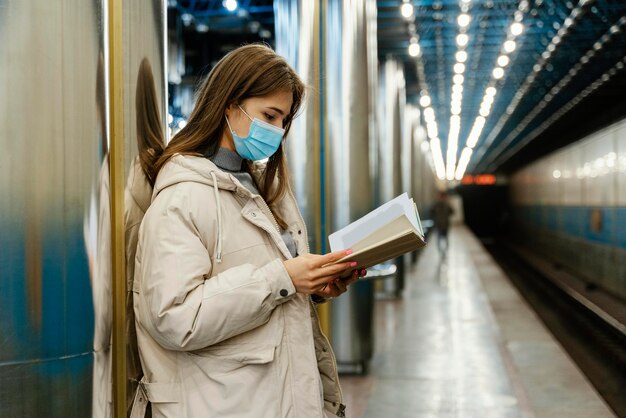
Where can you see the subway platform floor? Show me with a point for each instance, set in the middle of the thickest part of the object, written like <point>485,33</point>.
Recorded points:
<point>461,342</point>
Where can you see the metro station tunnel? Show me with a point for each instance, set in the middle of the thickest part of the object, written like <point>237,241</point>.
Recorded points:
<point>313,208</point>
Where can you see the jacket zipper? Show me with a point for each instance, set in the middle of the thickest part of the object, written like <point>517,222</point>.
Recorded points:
<point>271,215</point>
<point>306,233</point>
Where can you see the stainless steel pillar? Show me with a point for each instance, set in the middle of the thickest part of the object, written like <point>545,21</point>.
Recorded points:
<point>54,141</point>
<point>55,218</point>
<point>391,111</point>
<point>297,39</point>
<point>349,99</point>
<point>144,97</point>
<point>410,120</point>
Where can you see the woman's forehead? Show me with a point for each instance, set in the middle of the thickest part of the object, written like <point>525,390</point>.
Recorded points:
<point>281,99</point>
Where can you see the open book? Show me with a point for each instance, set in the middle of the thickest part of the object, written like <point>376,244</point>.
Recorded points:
<point>385,233</point>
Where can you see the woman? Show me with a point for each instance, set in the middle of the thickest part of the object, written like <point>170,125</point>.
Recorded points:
<point>223,283</point>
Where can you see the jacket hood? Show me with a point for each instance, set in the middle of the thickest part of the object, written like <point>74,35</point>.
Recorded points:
<point>182,168</point>
<point>188,168</point>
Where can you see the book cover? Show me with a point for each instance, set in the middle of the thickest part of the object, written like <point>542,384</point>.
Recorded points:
<point>385,233</point>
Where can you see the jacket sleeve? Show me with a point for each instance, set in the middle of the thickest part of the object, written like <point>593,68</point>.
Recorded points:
<point>179,306</point>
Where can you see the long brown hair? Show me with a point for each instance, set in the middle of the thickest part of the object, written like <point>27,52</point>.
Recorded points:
<point>150,137</point>
<point>249,71</point>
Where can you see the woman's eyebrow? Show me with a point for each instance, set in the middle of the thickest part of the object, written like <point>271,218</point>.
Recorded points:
<point>277,110</point>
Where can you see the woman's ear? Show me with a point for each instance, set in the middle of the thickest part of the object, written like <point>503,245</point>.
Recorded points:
<point>229,109</point>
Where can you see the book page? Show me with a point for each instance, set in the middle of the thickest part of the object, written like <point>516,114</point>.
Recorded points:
<point>397,227</point>
<point>373,221</point>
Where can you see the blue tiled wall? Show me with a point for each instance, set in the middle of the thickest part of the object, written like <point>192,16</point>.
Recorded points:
<point>576,222</point>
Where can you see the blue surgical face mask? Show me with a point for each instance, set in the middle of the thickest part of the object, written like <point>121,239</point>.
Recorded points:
<point>262,141</point>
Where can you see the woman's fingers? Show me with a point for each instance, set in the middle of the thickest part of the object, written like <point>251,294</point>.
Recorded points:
<point>329,258</point>
<point>336,269</point>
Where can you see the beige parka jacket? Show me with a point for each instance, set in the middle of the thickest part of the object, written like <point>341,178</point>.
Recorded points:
<point>220,328</point>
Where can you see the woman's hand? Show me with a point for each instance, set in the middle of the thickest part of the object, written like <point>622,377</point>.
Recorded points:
<point>312,273</point>
<point>339,285</point>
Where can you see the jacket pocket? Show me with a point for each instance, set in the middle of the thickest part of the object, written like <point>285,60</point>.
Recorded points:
<point>165,398</point>
<point>240,377</point>
<point>243,353</point>
<point>255,347</point>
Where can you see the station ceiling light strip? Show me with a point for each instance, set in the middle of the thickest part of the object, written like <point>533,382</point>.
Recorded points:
<point>435,156</point>
<point>576,14</point>
<point>548,97</point>
<point>618,67</point>
<point>456,97</point>
<point>509,45</point>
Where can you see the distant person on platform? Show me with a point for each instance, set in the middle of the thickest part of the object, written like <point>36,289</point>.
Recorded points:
<point>441,212</point>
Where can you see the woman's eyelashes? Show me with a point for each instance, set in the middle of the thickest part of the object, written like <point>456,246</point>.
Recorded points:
<point>269,116</point>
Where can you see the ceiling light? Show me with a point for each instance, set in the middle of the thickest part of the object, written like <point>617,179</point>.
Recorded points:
<point>503,60</point>
<point>459,68</point>
<point>463,161</point>
<point>509,46</point>
<point>523,5</point>
<point>516,28</point>
<point>498,72</point>
<point>462,39</point>
<point>484,112</point>
<point>457,88</point>
<point>414,49</point>
<point>461,56</point>
<point>458,79</point>
<point>187,19</point>
<point>490,91</point>
<point>431,129</point>
<point>406,10</point>
<point>463,20</point>
<point>425,101</point>
<point>202,27</point>
<point>429,114</point>
<point>230,5</point>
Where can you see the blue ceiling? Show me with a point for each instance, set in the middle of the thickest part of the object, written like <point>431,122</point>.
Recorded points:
<point>551,92</point>
<point>537,87</point>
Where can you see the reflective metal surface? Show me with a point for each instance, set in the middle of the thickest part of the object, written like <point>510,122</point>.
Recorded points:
<point>423,178</point>
<point>55,264</point>
<point>54,142</point>
<point>349,110</point>
<point>144,111</point>
<point>144,38</point>
<point>391,111</point>
<point>297,40</point>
